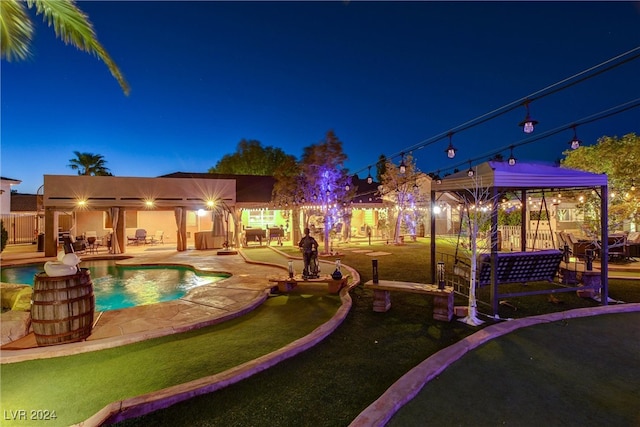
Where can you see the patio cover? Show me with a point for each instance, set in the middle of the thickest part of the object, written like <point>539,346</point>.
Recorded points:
<point>521,176</point>
<point>499,176</point>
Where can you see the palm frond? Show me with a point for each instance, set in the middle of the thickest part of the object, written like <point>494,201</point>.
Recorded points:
<point>16,30</point>
<point>73,27</point>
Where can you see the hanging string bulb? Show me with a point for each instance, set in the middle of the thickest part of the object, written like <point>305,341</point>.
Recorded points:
<point>575,142</point>
<point>512,160</point>
<point>470,172</point>
<point>437,178</point>
<point>451,150</point>
<point>369,177</point>
<point>528,124</point>
<point>403,167</point>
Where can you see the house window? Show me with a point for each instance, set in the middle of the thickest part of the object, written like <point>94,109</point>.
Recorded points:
<point>261,218</point>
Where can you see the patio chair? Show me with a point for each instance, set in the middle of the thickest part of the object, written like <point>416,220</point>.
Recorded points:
<point>140,237</point>
<point>72,245</point>
<point>92,244</point>
<point>618,247</point>
<point>157,238</point>
<point>579,247</point>
<point>633,244</point>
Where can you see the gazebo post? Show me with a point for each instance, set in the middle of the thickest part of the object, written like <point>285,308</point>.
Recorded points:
<point>604,251</point>
<point>523,221</point>
<point>494,250</point>
<point>433,237</point>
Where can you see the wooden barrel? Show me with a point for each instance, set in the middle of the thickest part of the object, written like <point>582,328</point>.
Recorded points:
<point>62,308</point>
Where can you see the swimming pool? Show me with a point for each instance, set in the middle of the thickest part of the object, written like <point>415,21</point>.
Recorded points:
<point>117,286</point>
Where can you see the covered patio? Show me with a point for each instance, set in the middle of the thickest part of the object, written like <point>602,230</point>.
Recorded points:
<point>116,195</point>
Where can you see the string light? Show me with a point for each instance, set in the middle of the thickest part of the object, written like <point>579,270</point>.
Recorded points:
<point>528,124</point>
<point>565,83</point>
<point>403,167</point>
<point>575,142</point>
<point>470,171</point>
<point>512,160</point>
<point>451,150</point>
<point>369,177</point>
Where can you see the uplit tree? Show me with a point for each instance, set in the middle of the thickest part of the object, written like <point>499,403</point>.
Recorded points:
<point>401,190</point>
<point>474,211</point>
<point>619,159</point>
<point>320,185</point>
<point>89,164</point>
<point>251,158</point>
<point>70,24</point>
<point>325,180</point>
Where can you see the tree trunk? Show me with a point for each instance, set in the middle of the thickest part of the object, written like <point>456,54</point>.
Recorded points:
<point>472,315</point>
<point>326,230</point>
<point>295,227</point>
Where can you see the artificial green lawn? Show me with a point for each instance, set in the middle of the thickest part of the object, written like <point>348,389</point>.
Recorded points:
<point>76,387</point>
<point>331,383</point>
<point>327,385</point>
<point>578,372</point>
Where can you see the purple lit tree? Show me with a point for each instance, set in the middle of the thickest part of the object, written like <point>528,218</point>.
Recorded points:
<point>401,189</point>
<point>325,184</point>
<point>318,185</point>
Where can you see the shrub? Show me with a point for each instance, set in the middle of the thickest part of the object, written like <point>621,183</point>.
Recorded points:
<point>4,236</point>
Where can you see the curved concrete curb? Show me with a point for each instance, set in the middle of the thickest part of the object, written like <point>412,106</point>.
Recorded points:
<point>410,384</point>
<point>147,403</point>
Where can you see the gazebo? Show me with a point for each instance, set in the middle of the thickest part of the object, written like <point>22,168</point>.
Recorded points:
<point>496,178</point>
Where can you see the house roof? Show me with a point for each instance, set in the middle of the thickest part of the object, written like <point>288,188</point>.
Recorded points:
<point>249,188</point>
<point>259,188</point>
<point>23,202</point>
<point>521,176</point>
<point>11,180</point>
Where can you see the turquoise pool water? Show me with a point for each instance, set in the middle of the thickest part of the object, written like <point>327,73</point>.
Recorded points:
<point>118,287</point>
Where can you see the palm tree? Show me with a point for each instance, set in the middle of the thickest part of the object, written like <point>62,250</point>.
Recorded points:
<point>89,163</point>
<point>69,22</point>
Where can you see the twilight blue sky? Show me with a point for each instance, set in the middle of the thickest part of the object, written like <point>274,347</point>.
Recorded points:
<point>385,76</point>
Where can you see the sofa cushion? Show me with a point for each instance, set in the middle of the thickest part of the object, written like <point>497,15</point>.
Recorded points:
<point>16,297</point>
